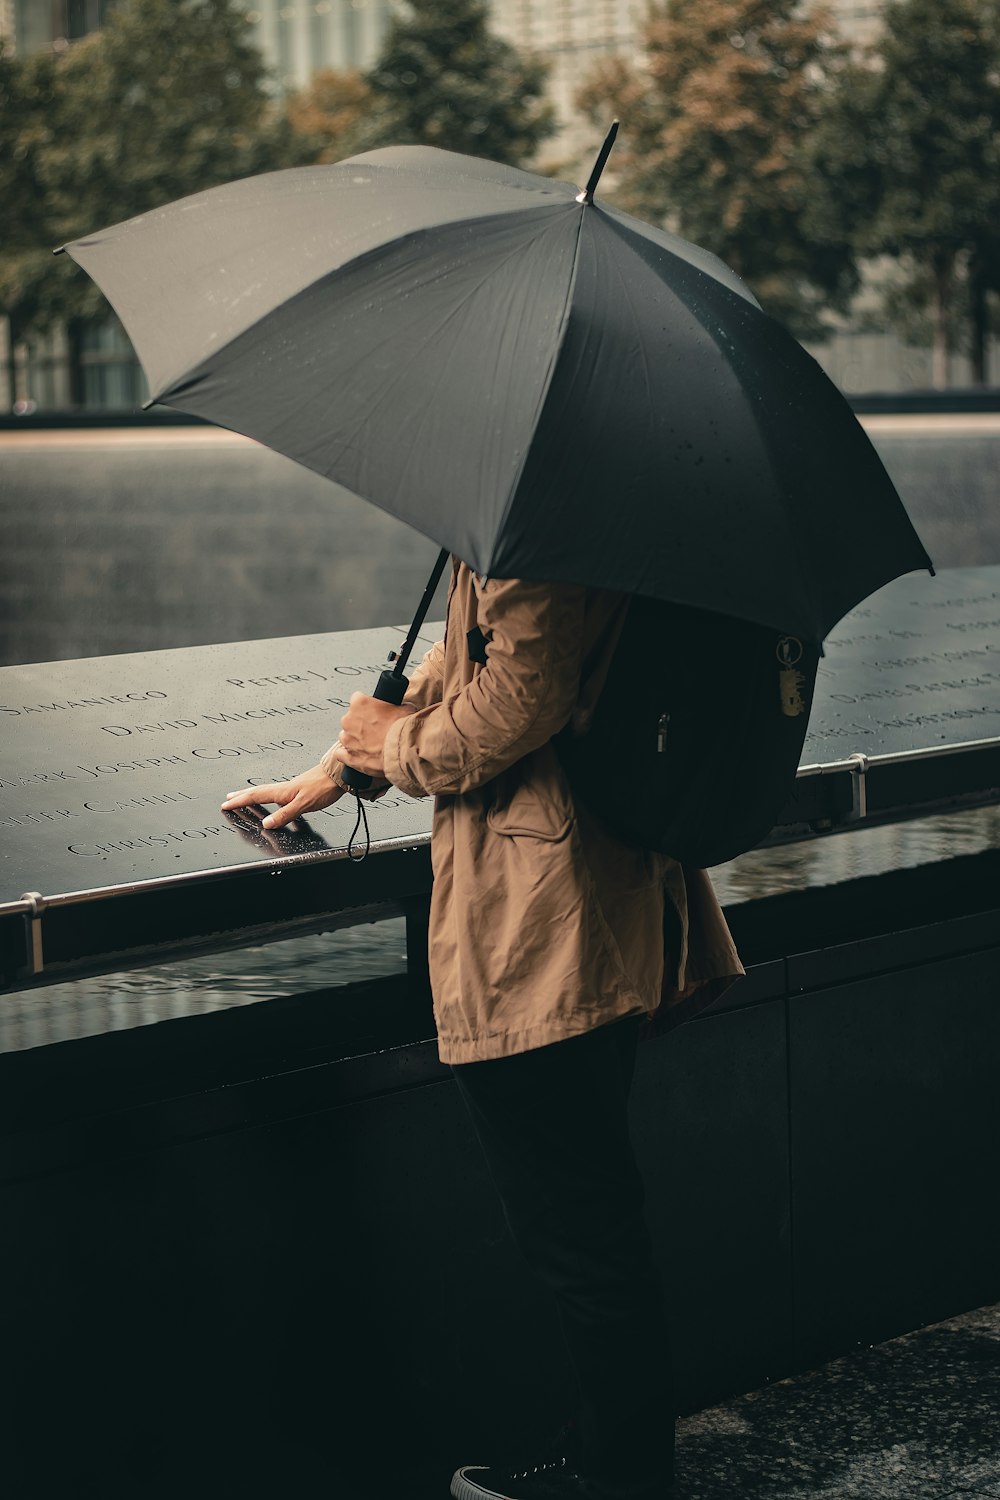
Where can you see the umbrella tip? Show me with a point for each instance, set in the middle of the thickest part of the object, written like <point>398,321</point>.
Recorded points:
<point>59,250</point>
<point>587,193</point>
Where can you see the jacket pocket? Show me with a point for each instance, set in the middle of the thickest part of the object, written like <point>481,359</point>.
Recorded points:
<point>532,800</point>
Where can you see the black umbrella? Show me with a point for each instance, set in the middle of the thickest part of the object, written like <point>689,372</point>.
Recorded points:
<point>548,388</point>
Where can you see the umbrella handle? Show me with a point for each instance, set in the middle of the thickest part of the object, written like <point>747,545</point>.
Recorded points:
<point>390,688</point>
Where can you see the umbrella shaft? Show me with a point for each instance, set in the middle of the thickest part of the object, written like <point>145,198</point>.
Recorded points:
<point>391,686</point>
<point>403,655</point>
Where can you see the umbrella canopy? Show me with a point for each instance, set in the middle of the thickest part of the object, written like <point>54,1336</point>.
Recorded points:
<point>545,386</point>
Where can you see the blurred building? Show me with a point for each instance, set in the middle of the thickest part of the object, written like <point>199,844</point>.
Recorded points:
<point>857,20</point>
<point>571,35</point>
<point>30,25</point>
<point>297,37</point>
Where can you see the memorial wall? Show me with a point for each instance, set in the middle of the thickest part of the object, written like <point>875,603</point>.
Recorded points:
<point>917,666</point>
<point>112,769</point>
<point>841,1100</point>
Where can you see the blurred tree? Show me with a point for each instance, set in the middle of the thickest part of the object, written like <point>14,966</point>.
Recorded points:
<point>984,300</point>
<point>22,109</point>
<point>714,125</point>
<point>333,112</point>
<point>25,100</point>
<point>168,98</point>
<point>915,135</point>
<point>444,79</point>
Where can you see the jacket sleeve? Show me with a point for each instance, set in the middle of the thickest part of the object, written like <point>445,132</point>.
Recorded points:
<point>427,681</point>
<point>522,696</point>
<point>424,689</point>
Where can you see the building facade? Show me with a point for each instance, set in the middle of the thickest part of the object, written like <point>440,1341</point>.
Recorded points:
<point>298,37</point>
<point>571,35</point>
<point>30,25</point>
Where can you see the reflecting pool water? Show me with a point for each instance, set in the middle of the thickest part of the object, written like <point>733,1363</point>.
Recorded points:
<point>112,1002</point>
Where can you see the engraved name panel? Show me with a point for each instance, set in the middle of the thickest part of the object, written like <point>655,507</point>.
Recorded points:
<point>916,667</point>
<point>112,769</point>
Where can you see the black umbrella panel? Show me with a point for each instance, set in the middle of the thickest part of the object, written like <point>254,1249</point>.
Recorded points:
<point>546,387</point>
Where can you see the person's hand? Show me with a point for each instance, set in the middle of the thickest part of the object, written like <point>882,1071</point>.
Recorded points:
<point>298,838</point>
<point>362,733</point>
<point>306,793</point>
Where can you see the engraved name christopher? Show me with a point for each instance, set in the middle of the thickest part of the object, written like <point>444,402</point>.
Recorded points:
<point>163,840</point>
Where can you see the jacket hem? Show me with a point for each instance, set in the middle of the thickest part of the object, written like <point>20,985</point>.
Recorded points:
<point>452,1049</point>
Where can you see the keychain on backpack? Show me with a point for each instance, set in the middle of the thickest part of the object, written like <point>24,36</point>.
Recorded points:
<point>790,682</point>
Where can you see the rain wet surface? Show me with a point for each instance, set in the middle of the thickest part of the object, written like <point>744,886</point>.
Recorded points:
<point>190,986</point>
<point>911,1419</point>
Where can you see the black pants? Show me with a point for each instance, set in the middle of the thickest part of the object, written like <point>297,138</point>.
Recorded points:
<point>553,1125</point>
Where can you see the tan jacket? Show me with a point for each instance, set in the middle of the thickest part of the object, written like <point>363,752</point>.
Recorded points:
<point>542,925</point>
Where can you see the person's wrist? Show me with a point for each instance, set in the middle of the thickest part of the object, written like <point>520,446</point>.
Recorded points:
<point>330,766</point>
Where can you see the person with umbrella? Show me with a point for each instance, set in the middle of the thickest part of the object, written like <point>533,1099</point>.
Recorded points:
<point>546,955</point>
<point>579,408</point>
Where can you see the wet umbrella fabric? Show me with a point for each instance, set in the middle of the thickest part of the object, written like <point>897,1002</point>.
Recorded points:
<point>546,387</point>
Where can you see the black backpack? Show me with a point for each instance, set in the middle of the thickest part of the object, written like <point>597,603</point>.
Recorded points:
<point>695,740</point>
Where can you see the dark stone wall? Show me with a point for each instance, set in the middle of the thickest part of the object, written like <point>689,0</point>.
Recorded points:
<point>256,1252</point>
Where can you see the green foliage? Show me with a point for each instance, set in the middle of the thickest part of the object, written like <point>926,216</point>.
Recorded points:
<point>169,98</point>
<point>443,79</point>
<point>936,145</point>
<point>26,101</point>
<point>913,140</point>
<point>332,113</point>
<point>714,132</point>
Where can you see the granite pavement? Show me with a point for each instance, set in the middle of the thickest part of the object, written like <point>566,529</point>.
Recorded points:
<point>916,1418</point>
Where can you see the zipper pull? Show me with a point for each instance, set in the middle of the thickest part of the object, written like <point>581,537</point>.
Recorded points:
<point>661,733</point>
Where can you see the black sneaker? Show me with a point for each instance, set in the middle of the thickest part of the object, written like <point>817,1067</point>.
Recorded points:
<point>546,1481</point>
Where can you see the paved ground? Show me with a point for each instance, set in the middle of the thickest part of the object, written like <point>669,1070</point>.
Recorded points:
<point>917,1418</point>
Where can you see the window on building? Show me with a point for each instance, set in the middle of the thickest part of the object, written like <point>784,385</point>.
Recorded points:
<point>83,16</point>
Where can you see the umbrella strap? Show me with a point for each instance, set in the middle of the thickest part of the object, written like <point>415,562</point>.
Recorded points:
<point>361,818</point>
